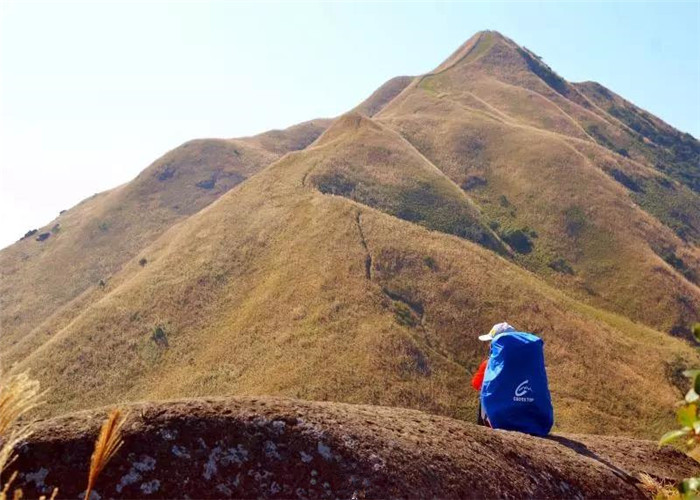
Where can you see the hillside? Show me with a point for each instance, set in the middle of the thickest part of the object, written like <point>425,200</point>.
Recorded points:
<point>538,157</point>
<point>87,244</point>
<point>372,294</point>
<point>360,267</point>
<point>280,448</point>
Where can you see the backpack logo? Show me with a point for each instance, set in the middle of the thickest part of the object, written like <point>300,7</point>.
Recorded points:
<point>520,392</point>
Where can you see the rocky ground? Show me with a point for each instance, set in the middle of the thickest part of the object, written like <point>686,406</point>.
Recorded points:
<point>271,447</point>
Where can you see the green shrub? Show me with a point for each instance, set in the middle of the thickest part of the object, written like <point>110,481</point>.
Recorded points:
<point>574,220</point>
<point>430,262</point>
<point>561,266</point>
<point>677,263</point>
<point>29,233</point>
<point>473,182</point>
<point>207,184</point>
<point>159,336</point>
<point>519,240</point>
<point>404,315</point>
<point>167,172</point>
<point>688,418</point>
<point>335,183</point>
<point>626,180</point>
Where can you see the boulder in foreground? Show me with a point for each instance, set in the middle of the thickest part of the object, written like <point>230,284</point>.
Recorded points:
<point>273,447</point>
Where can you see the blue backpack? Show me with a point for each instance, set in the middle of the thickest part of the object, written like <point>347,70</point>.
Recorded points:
<point>515,394</point>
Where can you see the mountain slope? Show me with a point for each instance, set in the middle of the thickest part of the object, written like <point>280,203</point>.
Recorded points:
<point>90,242</point>
<point>610,228</point>
<point>383,95</point>
<point>375,166</point>
<point>361,266</point>
<point>379,310</point>
<point>673,152</point>
<point>279,448</point>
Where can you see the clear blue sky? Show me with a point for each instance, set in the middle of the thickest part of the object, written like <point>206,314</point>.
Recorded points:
<point>91,93</point>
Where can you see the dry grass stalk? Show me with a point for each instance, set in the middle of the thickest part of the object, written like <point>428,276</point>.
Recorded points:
<point>6,487</point>
<point>53,496</point>
<point>656,489</point>
<point>108,443</point>
<point>18,395</point>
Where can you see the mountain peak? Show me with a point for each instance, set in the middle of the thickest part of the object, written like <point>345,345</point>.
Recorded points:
<point>478,44</point>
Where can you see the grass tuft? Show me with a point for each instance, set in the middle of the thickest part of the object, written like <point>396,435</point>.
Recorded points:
<point>18,395</point>
<point>656,489</point>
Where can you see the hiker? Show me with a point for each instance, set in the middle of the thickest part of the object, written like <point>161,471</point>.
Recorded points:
<point>478,378</point>
<point>514,392</point>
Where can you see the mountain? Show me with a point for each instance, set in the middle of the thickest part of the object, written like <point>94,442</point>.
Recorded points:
<point>614,228</point>
<point>357,260</point>
<point>281,448</point>
<point>88,243</point>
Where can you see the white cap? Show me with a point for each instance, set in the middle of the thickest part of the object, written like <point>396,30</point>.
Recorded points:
<point>497,328</point>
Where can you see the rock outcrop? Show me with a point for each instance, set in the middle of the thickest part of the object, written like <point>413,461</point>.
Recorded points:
<point>272,447</point>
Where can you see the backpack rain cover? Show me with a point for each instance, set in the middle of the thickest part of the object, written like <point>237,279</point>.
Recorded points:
<point>515,393</point>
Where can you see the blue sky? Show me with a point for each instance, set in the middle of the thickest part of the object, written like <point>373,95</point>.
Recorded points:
<point>91,93</point>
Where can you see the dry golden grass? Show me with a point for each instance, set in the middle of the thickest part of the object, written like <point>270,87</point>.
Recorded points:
<point>99,235</point>
<point>383,95</point>
<point>658,490</point>
<point>234,324</point>
<point>18,396</point>
<point>491,118</point>
<point>106,446</point>
<point>277,288</point>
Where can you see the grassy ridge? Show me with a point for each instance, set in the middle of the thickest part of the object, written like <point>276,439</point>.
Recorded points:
<point>347,269</point>
<point>94,239</point>
<point>520,143</point>
<point>375,167</point>
<point>401,333</point>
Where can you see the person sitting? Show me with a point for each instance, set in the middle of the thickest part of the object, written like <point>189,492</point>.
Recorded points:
<point>478,378</point>
<point>512,383</point>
